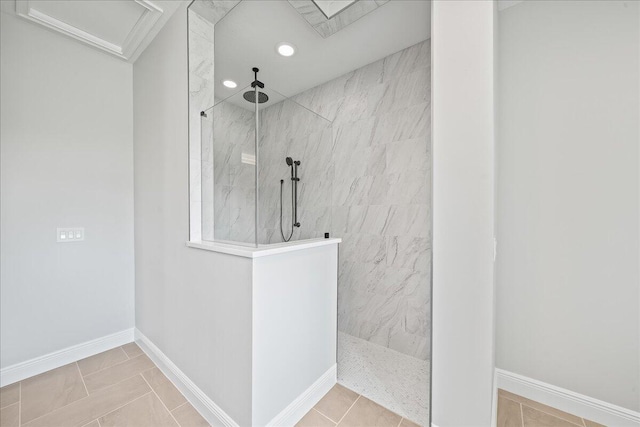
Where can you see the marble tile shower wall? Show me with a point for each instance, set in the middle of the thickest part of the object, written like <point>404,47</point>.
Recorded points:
<point>367,182</point>
<point>202,16</point>
<point>201,82</point>
<point>234,188</point>
<point>290,130</point>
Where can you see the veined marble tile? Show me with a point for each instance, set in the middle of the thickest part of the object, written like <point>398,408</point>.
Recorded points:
<point>346,17</point>
<point>409,252</point>
<point>406,91</point>
<point>411,155</point>
<point>358,162</point>
<point>352,191</point>
<point>397,319</point>
<point>200,93</point>
<point>314,222</point>
<point>417,345</point>
<point>201,56</point>
<point>242,215</point>
<point>354,135</point>
<point>408,188</point>
<point>408,220</point>
<point>200,25</point>
<point>328,26</point>
<point>309,11</point>
<point>407,61</point>
<point>357,106</point>
<point>213,11</point>
<point>403,124</point>
<point>361,248</point>
<point>316,193</point>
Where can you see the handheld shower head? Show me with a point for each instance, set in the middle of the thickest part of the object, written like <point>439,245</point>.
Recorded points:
<point>289,161</point>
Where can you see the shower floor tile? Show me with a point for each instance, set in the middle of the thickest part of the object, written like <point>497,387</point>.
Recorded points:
<point>394,380</point>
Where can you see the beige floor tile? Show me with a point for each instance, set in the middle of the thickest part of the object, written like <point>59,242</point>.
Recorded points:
<point>367,413</point>
<point>96,405</point>
<point>164,388</point>
<point>509,413</point>
<point>132,350</point>
<point>102,360</point>
<point>336,402</point>
<point>10,416</point>
<point>535,418</point>
<point>592,424</point>
<point>543,408</point>
<point>187,416</point>
<point>155,377</point>
<point>117,373</point>
<point>9,394</point>
<point>146,411</point>
<point>315,419</point>
<point>406,423</point>
<point>51,390</point>
<point>93,423</point>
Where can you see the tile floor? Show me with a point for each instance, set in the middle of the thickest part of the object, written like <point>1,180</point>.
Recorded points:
<point>120,387</point>
<point>394,380</point>
<point>517,411</point>
<point>345,408</point>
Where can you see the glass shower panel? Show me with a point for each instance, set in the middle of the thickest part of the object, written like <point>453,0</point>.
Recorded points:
<point>293,201</point>
<point>287,129</point>
<point>229,192</point>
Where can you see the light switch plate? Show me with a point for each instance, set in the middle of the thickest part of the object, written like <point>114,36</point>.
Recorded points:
<point>68,235</point>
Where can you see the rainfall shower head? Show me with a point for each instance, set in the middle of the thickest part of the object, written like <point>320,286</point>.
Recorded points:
<point>250,95</point>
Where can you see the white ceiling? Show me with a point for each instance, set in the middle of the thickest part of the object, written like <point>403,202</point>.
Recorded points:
<point>247,37</point>
<point>123,28</point>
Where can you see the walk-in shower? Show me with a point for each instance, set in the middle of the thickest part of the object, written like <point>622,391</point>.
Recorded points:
<point>331,141</point>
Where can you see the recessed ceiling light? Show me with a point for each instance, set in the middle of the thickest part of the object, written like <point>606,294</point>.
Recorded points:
<point>286,49</point>
<point>230,84</point>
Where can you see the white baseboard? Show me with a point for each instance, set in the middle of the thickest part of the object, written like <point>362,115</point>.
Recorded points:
<point>566,400</point>
<point>200,401</point>
<point>307,400</point>
<point>38,365</point>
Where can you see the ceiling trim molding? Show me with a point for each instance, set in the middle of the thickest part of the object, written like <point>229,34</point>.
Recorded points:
<point>140,35</point>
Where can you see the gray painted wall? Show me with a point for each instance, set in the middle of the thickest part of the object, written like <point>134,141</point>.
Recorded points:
<point>67,161</point>
<point>567,270</point>
<point>183,294</point>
